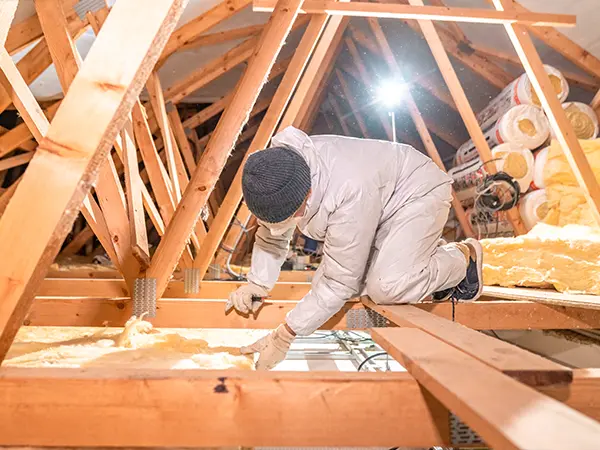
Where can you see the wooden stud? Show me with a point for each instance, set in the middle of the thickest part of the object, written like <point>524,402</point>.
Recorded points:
<point>78,241</point>
<point>182,139</point>
<point>218,149</point>
<point>95,218</point>
<point>22,97</point>
<point>32,228</point>
<point>267,127</point>
<point>397,11</point>
<point>7,14</point>
<point>224,36</point>
<point>513,361</point>
<point>192,30</point>
<point>415,114</point>
<point>501,410</point>
<point>135,206</point>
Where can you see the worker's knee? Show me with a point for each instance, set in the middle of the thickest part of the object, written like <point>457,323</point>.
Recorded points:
<point>387,293</point>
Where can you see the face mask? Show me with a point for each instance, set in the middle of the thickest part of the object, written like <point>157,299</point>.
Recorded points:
<point>280,228</point>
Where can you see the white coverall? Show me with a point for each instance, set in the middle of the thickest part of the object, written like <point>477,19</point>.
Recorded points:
<point>379,207</point>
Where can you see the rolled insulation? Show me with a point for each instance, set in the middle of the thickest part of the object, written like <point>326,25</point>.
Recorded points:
<point>540,157</point>
<point>583,120</point>
<point>517,161</point>
<point>525,125</point>
<point>533,208</point>
<point>521,92</point>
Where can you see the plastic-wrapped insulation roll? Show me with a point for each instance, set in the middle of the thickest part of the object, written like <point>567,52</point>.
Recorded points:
<point>540,157</point>
<point>517,161</point>
<point>526,125</point>
<point>521,92</point>
<point>533,208</point>
<point>583,120</point>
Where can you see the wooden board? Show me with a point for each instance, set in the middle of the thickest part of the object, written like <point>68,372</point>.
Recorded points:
<point>504,412</point>
<point>519,364</point>
<point>548,296</point>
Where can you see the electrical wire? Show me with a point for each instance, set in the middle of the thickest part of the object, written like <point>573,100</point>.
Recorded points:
<point>369,358</point>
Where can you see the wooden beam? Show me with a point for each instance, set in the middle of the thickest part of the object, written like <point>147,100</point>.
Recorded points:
<point>217,151</point>
<point>181,138</point>
<point>339,115</point>
<point>7,14</point>
<point>501,410</point>
<point>65,165</point>
<point>193,29</point>
<point>25,102</point>
<point>417,118</point>
<point>463,105</point>
<point>15,161</point>
<point>78,241</point>
<point>135,206</point>
<point>547,296</point>
<point>95,218</point>
<point>224,36</point>
<point>558,119</point>
<point>352,103</point>
<point>511,360</point>
<point>268,126</point>
<point>396,11</point>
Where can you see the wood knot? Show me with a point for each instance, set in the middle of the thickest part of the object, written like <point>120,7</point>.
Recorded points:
<point>221,388</point>
<point>202,188</point>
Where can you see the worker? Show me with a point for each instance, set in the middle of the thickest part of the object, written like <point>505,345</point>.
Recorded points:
<point>379,207</point>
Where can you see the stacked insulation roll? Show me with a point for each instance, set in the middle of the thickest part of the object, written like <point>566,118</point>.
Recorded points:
<point>523,125</point>
<point>540,158</point>
<point>583,120</point>
<point>533,208</point>
<point>521,92</point>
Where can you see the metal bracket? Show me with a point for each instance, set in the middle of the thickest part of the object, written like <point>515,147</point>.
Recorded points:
<point>82,7</point>
<point>144,297</point>
<point>365,318</point>
<point>461,434</point>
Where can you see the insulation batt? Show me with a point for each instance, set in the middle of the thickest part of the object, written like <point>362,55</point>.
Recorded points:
<point>566,258</point>
<point>138,345</point>
<point>566,202</point>
<point>583,120</point>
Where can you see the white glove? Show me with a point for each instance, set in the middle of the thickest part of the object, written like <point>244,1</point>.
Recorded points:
<point>271,349</point>
<point>241,298</point>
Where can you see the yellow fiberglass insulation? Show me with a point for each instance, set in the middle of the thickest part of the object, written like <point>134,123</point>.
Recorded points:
<point>566,202</point>
<point>138,345</point>
<point>566,258</point>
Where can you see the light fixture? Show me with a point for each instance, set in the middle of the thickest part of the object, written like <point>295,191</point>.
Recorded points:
<point>391,93</point>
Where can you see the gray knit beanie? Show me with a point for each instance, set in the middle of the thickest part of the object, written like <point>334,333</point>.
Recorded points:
<point>275,183</point>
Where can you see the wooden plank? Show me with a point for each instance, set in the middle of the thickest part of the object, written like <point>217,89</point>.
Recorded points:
<point>513,361</point>
<point>558,120</point>
<point>549,297</point>
<point>192,30</point>
<point>15,161</point>
<point>25,102</point>
<point>397,11</point>
<point>194,408</point>
<point>339,115</point>
<point>32,228</point>
<point>267,127</point>
<point>93,215</point>
<point>7,14</point>
<point>501,410</point>
<point>354,108</point>
<point>220,144</point>
<point>78,241</point>
<point>8,194</point>
<point>158,106</point>
<point>135,206</point>
<point>224,36</point>
<point>182,139</point>
<point>463,105</point>
<point>417,118</point>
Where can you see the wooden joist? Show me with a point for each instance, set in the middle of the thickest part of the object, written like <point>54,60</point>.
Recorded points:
<point>396,11</point>
<point>501,410</point>
<point>67,161</point>
<point>217,151</point>
<point>224,36</point>
<point>517,363</point>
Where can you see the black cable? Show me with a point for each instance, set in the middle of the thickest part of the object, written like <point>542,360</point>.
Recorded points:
<point>369,358</point>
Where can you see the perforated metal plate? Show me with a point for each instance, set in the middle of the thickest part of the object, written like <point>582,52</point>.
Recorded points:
<point>191,280</point>
<point>144,297</point>
<point>461,434</point>
<point>365,318</point>
<point>82,7</point>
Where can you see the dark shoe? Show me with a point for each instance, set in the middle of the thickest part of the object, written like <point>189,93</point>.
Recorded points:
<point>442,296</point>
<point>471,287</point>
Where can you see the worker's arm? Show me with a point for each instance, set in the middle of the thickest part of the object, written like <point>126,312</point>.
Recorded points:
<point>348,241</point>
<point>268,255</point>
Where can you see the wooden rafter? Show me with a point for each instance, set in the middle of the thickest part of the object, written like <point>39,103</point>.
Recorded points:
<point>440,13</point>
<point>224,36</point>
<point>218,149</point>
<point>78,140</point>
<point>354,108</point>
